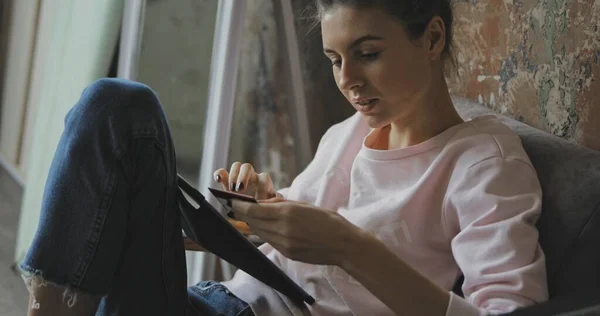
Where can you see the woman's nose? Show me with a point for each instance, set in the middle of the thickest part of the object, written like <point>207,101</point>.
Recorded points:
<point>350,77</point>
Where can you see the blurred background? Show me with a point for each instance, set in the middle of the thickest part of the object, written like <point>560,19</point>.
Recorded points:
<point>247,80</point>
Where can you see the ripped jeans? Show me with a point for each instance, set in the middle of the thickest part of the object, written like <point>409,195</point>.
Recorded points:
<point>110,225</point>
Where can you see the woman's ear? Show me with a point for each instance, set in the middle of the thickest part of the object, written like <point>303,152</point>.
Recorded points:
<point>435,35</point>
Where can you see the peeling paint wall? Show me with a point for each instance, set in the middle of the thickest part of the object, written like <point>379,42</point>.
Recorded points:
<point>262,123</point>
<point>535,60</point>
<point>326,105</point>
<point>262,130</point>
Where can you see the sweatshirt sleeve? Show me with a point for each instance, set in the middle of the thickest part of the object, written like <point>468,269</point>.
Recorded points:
<point>284,192</point>
<point>491,212</point>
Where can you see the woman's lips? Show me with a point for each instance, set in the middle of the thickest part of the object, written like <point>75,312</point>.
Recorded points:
<point>366,106</point>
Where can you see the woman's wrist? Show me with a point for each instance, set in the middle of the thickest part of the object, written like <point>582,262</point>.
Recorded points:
<point>359,244</point>
<point>394,282</point>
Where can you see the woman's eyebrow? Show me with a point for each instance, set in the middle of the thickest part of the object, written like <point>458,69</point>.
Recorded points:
<point>357,42</point>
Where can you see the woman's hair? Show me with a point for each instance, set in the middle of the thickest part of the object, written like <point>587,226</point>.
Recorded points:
<point>413,14</point>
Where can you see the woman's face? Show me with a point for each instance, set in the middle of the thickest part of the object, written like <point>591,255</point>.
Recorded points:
<point>376,66</point>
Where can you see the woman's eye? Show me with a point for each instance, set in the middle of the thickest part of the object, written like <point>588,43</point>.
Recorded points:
<point>336,63</point>
<point>369,56</point>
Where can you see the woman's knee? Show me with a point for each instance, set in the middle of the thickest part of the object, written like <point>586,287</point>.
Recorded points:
<point>108,90</point>
<point>111,99</point>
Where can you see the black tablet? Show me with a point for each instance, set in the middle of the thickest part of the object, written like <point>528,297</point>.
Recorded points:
<point>225,197</point>
<point>208,228</point>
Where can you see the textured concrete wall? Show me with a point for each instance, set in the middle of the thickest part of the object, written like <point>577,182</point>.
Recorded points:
<point>536,60</point>
<point>175,61</point>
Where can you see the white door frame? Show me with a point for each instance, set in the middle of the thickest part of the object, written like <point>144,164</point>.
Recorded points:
<point>219,115</point>
<point>284,15</point>
<point>22,29</point>
<point>131,38</point>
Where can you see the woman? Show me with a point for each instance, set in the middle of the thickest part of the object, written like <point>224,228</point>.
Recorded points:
<point>399,200</point>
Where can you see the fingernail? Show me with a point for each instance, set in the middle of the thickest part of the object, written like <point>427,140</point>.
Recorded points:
<point>232,186</point>
<point>218,178</point>
<point>240,186</point>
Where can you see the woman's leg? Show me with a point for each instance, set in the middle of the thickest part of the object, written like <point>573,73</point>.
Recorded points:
<point>213,298</point>
<point>109,235</point>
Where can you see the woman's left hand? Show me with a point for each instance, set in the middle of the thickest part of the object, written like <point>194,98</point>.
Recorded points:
<point>299,231</point>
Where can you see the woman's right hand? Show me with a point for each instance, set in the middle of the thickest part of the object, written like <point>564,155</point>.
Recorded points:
<point>242,178</point>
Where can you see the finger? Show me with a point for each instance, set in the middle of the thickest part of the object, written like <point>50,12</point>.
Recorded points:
<point>276,240</point>
<point>265,186</point>
<point>259,225</point>
<point>287,245</point>
<point>222,177</point>
<point>233,174</point>
<point>242,227</point>
<point>275,199</point>
<point>245,176</point>
<point>250,211</point>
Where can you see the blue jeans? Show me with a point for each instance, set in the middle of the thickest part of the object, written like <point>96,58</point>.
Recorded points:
<point>110,222</point>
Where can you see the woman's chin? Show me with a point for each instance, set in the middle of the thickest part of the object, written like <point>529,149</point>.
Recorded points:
<point>376,121</point>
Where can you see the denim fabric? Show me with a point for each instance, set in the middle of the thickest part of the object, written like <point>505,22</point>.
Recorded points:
<point>213,298</point>
<point>109,222</point>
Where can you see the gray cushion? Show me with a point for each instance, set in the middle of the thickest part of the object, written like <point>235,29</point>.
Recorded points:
<point>570,222</point>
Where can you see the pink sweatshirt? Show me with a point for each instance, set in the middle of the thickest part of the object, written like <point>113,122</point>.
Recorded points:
<point>463,202</point>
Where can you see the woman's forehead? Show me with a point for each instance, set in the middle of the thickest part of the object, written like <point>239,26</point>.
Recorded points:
<point>343,24</point>
<point>342,16</point>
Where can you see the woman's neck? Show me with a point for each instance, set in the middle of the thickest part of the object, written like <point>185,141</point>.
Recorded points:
<point>436,114</point>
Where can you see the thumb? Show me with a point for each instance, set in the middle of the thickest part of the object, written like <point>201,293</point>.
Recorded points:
<point>275,199</point>
<point>264,187</point>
